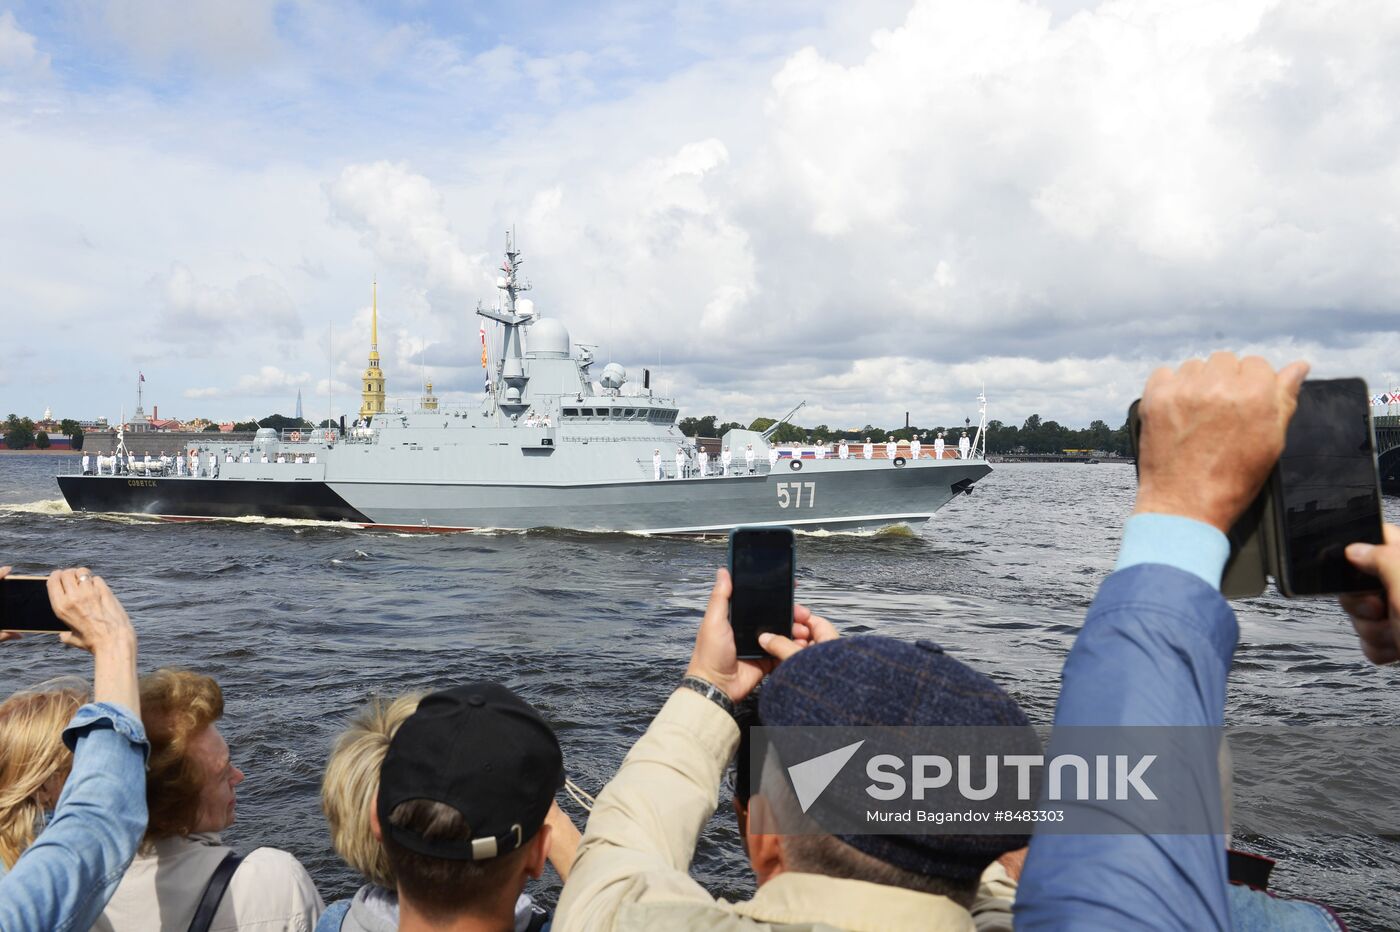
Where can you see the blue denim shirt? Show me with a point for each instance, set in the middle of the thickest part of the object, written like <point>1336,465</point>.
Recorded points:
<point>1155,649</point>
<point>62,882</point>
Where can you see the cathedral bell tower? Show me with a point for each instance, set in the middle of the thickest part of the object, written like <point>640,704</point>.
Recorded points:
<point>372,388</point>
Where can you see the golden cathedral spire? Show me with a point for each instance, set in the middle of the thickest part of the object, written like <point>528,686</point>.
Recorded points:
<point>372,383</point>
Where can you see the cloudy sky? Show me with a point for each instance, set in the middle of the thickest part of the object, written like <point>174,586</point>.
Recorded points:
<point>875,207</point>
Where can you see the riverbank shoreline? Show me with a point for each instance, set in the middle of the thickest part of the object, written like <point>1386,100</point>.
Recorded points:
<point>49,452</point>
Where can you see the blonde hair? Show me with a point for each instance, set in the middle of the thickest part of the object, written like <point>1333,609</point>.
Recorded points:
<point>176,705</point>
<point>352,783</point>
<point>31,753</point>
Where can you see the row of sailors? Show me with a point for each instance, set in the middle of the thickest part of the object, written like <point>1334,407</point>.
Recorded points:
<point>192,465</point>
<point>843,451</point>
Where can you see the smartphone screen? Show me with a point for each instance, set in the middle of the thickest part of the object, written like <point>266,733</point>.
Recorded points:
<point>761,564</point>
<point>24,605</point>
<point>1327,489</point>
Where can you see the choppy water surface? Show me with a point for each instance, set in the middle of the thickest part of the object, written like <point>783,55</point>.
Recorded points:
<point>301,622</point>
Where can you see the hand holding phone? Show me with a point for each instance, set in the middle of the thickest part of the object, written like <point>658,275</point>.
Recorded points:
<point>1376,615</point>
<point>1323,493</point>
<point>714,659</point>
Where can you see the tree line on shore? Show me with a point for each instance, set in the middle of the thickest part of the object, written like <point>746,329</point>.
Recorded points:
<point>22,434</point>
<point>1033,436</point>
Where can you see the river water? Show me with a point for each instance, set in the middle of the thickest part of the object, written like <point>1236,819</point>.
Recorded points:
<point>301,622</point>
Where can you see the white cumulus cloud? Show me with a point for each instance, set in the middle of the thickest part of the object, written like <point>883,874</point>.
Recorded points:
<point>19,51</point>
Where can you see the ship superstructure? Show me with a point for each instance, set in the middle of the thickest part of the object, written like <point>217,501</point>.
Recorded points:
<point>549,445</point>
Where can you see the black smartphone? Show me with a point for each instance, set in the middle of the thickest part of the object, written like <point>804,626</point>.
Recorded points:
<point>24,605</point>
<point>762,564</point>
<point>1327,490</point>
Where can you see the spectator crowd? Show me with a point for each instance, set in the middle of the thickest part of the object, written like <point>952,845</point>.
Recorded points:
<point>113,794</point>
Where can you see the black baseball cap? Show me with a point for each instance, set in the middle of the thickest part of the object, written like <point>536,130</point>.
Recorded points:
<point>485,752</point>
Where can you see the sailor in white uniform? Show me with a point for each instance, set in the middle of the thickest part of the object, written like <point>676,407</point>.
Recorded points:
<point>891,448</point>
<point>772,458</point>
<point>180,466</point>
<point>87,464</point>
<point>914,447</point>
<point>656,463</point>
<point>748,457</point>
<point>148,463</point>
<point>704,463</point>
<point>264,456</point>
<point>964,446</point>
<point>868,450</point>
<point>680,463</point>
<point>938,447</point>
<point>726,456</point>
<point>313,458</point>
<point>844,450</point>
<point>821,451</point>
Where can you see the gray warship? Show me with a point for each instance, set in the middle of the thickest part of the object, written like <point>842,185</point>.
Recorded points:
<point>548,447</point>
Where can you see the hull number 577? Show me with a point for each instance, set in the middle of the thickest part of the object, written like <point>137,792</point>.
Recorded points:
<point>790,494</point>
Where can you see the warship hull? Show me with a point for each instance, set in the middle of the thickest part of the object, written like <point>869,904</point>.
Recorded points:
<point>840,497</point>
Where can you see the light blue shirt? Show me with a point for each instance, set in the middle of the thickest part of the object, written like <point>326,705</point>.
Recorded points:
<point>1155,649</point>
<point>63,881</point>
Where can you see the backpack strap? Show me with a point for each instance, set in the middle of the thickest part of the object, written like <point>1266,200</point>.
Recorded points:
<point>214,893</point>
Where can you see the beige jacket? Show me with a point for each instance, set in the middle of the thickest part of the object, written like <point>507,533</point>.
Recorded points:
<point>270,892</point>
<point>632,867</point>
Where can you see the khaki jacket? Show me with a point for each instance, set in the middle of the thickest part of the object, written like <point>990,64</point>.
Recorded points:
<point>632,868</point>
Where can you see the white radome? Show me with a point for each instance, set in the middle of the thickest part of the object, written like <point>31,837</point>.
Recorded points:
<point>546,336</point>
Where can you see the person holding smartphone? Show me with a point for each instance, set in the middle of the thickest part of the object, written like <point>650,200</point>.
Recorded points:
<point>1159,639</point>
<point>64,879</point>
<point>632,869</point>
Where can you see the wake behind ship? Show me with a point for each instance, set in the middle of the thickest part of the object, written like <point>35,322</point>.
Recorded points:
<point>548,447</point>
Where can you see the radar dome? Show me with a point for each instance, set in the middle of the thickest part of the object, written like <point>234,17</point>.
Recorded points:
<point>547,337</point>
<point>614,375</point>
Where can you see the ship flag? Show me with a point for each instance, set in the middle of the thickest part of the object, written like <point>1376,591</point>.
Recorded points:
<point>482,330</point>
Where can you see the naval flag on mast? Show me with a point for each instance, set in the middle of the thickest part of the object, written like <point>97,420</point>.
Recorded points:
<point>482,330</point>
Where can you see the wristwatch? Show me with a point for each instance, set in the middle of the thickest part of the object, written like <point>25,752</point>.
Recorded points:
<point>710,691</point>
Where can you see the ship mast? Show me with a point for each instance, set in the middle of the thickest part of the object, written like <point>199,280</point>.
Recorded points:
<point>980,439</point>
<point>509,382</point>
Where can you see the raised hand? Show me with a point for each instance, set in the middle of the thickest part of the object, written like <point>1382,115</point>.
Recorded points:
<point>1211,431</point>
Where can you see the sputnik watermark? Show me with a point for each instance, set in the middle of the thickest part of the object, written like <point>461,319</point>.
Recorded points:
<point>1113,777</point>
<point>999,779</point>
<point>934,772</point>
